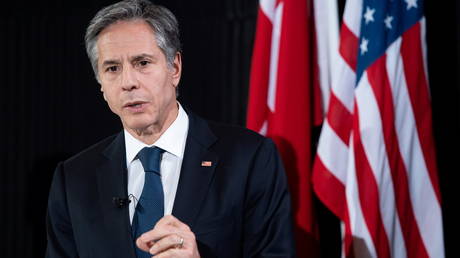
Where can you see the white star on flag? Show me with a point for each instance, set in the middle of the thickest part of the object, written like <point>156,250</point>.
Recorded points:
<point>411,3</point>
<point>388,21</point>
<point>363,46</point>
<point>369,15</point>
<point>375,165</point>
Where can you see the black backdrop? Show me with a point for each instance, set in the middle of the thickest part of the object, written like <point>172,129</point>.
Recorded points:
<point>51,108</point>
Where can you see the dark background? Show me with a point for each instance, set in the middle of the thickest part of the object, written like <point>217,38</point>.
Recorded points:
<point>51,107</point>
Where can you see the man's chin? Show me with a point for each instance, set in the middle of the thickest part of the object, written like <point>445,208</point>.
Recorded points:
<point>137,126</point>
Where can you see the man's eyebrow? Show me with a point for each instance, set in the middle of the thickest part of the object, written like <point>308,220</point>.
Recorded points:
<point>141,56</point>
<point>135,58</point>
<point>110,62</point>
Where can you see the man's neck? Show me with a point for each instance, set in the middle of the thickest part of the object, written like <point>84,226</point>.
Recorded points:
<point>152,133</point>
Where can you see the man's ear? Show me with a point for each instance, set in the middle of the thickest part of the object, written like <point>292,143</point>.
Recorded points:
<point>177,69</point>
<point>103,94</point>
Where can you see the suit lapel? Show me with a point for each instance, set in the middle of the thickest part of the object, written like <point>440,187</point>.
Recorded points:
<point>191,192</point>
<point>197,171</point>
<point>112,182</point>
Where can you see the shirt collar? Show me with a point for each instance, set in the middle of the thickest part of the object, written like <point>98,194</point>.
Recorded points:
<point>172,140</point>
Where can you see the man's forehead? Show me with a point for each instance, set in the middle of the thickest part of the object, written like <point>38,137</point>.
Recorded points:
<point>127,40</point>
<point>125,36</point>
<point>129,26</point>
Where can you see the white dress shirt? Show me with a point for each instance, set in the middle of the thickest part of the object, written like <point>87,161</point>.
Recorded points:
<point>173,142</point>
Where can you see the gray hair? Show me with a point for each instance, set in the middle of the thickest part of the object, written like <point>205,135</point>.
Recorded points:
<point>162,21</point>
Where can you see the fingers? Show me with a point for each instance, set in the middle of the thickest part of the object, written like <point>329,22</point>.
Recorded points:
<point>149,238</point>
<point>165,226</point>
<point>143,245</point>
<point>168,242</point>
<point>172,253</point>
<point>169,236</point>
<point>173,221</point>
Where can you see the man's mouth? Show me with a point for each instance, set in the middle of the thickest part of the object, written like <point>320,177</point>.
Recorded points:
<point>135,105</point>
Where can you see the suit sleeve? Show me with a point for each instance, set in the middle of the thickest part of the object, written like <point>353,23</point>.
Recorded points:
<point>59,231</point>
<point>268,225</point>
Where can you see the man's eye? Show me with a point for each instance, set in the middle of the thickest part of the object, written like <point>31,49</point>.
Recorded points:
<point>144,63</point>
<point>112,69</point>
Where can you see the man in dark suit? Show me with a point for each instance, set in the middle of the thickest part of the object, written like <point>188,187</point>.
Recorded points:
<point>171,184</point>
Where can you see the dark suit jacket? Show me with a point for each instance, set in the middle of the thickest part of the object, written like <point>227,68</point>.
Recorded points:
<point>238,207</point>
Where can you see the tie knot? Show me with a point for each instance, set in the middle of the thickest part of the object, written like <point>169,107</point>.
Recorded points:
<point>150,158</point>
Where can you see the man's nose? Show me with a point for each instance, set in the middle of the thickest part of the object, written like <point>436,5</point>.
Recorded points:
<point>128,79</point>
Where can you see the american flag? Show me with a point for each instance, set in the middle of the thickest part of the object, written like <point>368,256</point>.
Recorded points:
<point>375,166</point>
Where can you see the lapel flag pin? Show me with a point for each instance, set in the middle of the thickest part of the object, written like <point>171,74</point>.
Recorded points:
<point>206,163</point>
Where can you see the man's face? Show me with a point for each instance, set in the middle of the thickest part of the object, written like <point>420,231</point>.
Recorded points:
<point>137,82</point>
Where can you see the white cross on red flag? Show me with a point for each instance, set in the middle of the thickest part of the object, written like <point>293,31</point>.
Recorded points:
<point>282,86</point>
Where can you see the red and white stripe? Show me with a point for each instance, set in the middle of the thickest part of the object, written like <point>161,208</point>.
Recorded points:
<point>327,38</point>
<point>375,166</point>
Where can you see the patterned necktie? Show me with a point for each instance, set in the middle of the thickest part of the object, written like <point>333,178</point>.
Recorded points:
<point>150,207</point>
